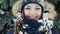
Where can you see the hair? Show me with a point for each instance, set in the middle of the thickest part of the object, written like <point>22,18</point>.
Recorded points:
<point>18,26</point>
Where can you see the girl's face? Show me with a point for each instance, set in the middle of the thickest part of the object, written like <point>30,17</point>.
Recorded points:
<point>32,11</point>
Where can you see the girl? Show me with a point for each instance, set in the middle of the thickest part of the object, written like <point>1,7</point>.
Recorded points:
<point>31,19</point>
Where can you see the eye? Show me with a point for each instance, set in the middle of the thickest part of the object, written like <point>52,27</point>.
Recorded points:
<point>37,8</point>
<point>28,8</point>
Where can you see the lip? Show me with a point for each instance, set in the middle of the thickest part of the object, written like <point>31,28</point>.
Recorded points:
<point>32,18</point>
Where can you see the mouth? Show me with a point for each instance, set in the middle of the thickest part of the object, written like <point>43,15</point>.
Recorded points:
<point>32,17</point>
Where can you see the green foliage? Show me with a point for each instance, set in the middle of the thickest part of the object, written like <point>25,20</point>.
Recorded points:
<point>6,18</point>
<point>12,2</point>
<point>53,1</point>
<point>5,4</point>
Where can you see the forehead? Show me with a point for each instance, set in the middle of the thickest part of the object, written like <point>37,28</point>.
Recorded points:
<point>32,5</point>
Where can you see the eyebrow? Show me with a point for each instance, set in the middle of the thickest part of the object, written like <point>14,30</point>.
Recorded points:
<point>37,6</point>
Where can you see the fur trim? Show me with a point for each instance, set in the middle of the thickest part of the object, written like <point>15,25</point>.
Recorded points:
<point>51,8</point>
<point>16,8</point>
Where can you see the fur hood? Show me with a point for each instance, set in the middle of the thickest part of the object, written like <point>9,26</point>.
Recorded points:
<point>48,7</point>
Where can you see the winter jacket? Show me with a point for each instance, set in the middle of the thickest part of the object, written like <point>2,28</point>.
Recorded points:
<point>32,27</point>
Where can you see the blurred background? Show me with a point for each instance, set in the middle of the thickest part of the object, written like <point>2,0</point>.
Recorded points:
<point>6,15</point>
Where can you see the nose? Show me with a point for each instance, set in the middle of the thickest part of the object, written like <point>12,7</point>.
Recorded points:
<point>32,12</point>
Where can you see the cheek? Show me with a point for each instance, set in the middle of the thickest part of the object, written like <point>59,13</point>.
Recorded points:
<point>39,13</point>
<point>26,13</point>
